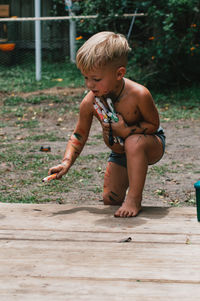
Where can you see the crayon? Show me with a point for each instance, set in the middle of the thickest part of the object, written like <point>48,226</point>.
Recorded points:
<point>49,178</point>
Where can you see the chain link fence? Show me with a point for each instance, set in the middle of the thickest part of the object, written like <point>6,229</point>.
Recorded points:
<point>17,42</point>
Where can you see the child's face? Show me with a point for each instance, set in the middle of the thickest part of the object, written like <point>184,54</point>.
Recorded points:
<point>102,81</point>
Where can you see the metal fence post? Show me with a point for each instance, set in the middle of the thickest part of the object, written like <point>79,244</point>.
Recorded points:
<point>38,40</point>
<point>72,31</point>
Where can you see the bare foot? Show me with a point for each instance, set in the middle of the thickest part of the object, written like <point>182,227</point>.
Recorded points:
<point>128,209</point>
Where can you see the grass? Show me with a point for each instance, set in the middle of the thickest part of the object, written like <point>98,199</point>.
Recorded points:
<point>178,103</point>
<point>48,136</point>
<point>21,78</point>
<point>21,160</point>
<point>25,166</point>
<point>159,170</point>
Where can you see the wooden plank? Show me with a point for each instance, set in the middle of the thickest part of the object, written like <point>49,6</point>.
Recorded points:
<point>68,252</point>
<point>96,236</point>
<point>98,218</point>
<point>174,263</point>
<point>47,289</point>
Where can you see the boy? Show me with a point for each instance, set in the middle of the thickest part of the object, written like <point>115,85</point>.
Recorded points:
<point>132,134</point>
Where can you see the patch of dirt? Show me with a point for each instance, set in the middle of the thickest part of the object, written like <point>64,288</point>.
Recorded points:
<point>54,91</point>
<point>169,182</point>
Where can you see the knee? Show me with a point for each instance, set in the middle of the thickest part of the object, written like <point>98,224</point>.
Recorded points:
<point>134,144</point>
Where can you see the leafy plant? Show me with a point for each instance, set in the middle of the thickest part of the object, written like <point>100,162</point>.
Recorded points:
<point>165,42</point>
<point>169,50</point>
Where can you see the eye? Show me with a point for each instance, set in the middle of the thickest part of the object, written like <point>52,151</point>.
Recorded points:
<point>97,79</point>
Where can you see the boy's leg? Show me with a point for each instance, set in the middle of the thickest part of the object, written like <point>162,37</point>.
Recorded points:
<point>141,150</point>
<point>115,184</point>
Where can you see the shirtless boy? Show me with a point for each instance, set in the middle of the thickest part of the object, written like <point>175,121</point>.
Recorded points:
<point>102,61</point>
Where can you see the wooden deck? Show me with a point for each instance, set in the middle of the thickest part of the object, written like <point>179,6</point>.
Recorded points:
<point>67,252</point>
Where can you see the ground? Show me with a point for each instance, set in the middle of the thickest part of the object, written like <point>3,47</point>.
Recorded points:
<point>49,121</point>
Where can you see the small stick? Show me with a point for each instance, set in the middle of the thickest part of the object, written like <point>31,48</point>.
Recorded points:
<point>49,178</point>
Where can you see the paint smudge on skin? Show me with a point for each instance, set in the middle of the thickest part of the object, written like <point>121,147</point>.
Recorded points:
<point>115,194</point>
<point>144,131</point>
<point>76,149</point>
<point>66,159</point>
<point>75,142</point>
<point>132,132</point>
<point>112,199</point>
<point>107,172</point>
<point>77,136</point>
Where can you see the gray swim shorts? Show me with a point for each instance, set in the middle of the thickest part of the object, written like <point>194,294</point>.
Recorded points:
<point>120,159</point>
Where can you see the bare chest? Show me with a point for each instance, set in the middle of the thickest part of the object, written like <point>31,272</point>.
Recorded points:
<point>129,111</point>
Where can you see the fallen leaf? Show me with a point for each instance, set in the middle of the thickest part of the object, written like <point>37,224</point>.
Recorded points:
<point>187,241</point>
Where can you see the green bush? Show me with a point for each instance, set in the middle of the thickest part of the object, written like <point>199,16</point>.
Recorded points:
<point>170,49</point>
<point>165,42</point>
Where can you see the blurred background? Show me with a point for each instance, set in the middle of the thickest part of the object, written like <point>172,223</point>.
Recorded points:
<point>164,36</point>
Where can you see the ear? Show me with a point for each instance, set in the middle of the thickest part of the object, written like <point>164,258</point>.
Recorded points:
<point>121,71</point>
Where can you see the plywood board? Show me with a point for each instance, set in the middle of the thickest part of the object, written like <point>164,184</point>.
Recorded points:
<point>68,252</point>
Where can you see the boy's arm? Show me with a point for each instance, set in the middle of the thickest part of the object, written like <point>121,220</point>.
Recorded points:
<point>77,139</point>
<point>150,118</point>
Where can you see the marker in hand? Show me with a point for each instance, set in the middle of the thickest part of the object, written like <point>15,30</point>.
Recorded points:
<point>49,178</point>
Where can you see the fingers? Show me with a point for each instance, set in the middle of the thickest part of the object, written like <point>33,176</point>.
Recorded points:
<point>59,170</point>
<point>119,117</point>
<point>105,125</point>
<point>54,169</point>
<point>61,173</point>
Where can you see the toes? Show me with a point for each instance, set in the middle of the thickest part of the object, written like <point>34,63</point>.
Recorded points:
<point>125,213</point>
<point>122,213</point>
<point>117,213</point>
<point>130,214</point>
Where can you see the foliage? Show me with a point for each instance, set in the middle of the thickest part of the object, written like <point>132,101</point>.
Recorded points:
<point>170,49</point>
<point>165,42</point>
<point>109,16</point>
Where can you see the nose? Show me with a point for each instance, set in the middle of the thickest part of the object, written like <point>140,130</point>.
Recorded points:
<point>90,84</point>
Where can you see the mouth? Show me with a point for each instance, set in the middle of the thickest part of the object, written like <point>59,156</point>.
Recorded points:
<point>95,92</point>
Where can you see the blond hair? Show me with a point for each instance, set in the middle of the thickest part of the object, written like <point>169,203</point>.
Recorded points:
<point>103,48</point>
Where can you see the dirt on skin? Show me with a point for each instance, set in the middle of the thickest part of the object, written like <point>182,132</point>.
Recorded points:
<point>170,182</point>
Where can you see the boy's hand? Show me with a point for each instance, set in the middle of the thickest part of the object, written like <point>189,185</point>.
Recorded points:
<point>106,127</point>
<point>119,126</point>
<point>60,170</point>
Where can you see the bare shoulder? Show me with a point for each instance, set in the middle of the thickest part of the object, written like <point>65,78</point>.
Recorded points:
<point>138,91</point>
